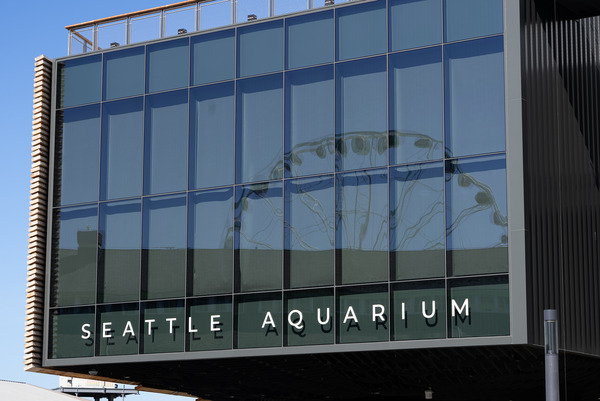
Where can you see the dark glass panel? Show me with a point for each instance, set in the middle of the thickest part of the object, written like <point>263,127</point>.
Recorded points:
<point>363,314</point>
<point>167,65</point>
<point>119,257</point>
<point>474,97</point>
<point>71,333</point>
<point>419,310</point>
<point>479,307</point>
<point>476,216</point>
<point>123,73</point>
<point>122,149</point>
<point>163,327</point>
<point>118,329</point>
<point>361,30</point>
<point>79,81</point>
<point>260,48</point>
<point>310,39</point>
<point>212,118</point>
<point>76,155</point>
<point>213,57</point>
<point>163,247</point>
<point>309,232</point>
<point>209,325</point>
<point>309,126</point>
<point>258,321</point>
<point>309,317</point>
<point>258,236</point>
<point>464,19</point>
<point>210,241</point>
<point>416,106</point>
<point>74,262</point>
<point>166,142</point>
<point>362,227</point>
<point>417,221</point>
<point>259,140</point>
<point>414,23</point>
<point>361,114</point>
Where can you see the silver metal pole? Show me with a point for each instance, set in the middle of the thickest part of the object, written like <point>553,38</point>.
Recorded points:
<point>551,349</point>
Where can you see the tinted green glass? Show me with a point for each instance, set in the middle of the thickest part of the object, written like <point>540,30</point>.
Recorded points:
<point>79,81</point>
<point>259,230</point>
<point>260,48</point>
<point>476,216</point>
<point>309,317</point>
<point>74,267</point>
<point>363,314</point>
<point>163,327</point>
<point>119,261</point>
<point>167,65</point>
<point>213,57</point>
<point>210,241</point>
<point>209,325</point>
<point>361,30</point>
<point>417,221</point>
<point>258,321</point>
<point>309,232</point>
<point>465,19</point>
<point>118,329</point>
<point>414,23</point>
<point>362,227</point>
<point>71,333</point>
<point>479,307</point>
<point>303,32</point>
<point>163,247</point>
<point>123,73</point>
<point>419,310</point>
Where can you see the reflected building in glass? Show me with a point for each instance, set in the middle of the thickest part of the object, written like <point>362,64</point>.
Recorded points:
<point>327,201</point>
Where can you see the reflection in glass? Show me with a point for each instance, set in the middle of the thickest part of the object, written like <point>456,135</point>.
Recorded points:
<point>361,114</point>
<point>309,232</point>
<point>163,327</point>
<point>362,227</point>
<point>122,149</point>
<point>474,97</point>
<point>259,230</point>
<point>118,329</point>
<point>119,257</point>
<point>211,135</point>
<point>123,73</point>
<point>414,23</point>
<point>309,111</point>
<point>79,81</point>
<point>361,30</point>
<point>167,65</point>
<point>210,241</point>
<point>259,140</point>
<point>416,105</point>
<point>163,247</point>
<point>210,320</point>
<point>419,310</point>
<point>66,333</point>
<point>213,57</point>
<point>312,316</point>
<point>417,221</point>
<point>476,216</point>
<point>259,47</point>
<point>258,321</point>
<point>464,19</point>
<point>363,314</point>
<point>302,35</point>
<point>74,260</point>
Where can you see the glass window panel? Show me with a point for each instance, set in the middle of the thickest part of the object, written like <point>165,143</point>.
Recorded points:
<point>259,140</point>
<point>260,8</point>
<point>311,314</point>
<point>309,232</point>
<point>303,33</point>
<point>361,114</point>
<point>465,19</point>
<point>309,115</point>
<point>414,23</point>
<point>361,30</point>
<point>476,216</point>
<point>180,18</point>
<point>286,6</point>
<point>166,142</point>
<point>417,221</point>
<point>419,310</point>
<point>122,149</point>
<point>362,227</point>
<point>210,241</point>
<point>164,245</point>
<point>118,329</point>
<point>119,258</point>
<point>79,81</point>
<point>213,57</point>
<point>363,314</point>
<point>479,307</point>
<point>123,73</point>
<point>258,321</point>
<point>209,325</point>
<point>163,327</point>
<point>74,261</point>
<point>260,47</point>
<point>82,40</point>
<point>145,28</point>
<point>474,97</point>
<point>112,34</point>
<point>416,106</point>
<point>71,333</point>
<point>215,14</point>
<point>212,135</point>
<point>167,65</point>
<point>77,155</point>
<point>259,233</point>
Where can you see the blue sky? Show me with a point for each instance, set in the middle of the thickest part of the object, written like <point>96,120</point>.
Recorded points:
<point>29,29</point>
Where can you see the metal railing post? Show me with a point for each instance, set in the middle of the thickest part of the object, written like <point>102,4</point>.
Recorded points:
<point>551,349</point>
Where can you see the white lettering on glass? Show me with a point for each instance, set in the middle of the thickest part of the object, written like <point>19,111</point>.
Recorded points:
<point>268,320</point>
